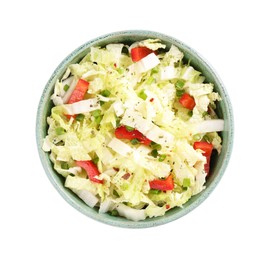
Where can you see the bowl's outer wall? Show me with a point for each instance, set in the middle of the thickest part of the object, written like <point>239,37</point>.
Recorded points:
<point>224,111</point>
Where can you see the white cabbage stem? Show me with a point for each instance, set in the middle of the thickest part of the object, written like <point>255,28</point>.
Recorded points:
<point>207,126</point>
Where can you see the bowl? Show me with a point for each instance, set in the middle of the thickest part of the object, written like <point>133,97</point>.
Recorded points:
<point>218,163</point>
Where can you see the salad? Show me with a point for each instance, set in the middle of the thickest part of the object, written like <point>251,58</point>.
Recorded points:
<point>133,128</point>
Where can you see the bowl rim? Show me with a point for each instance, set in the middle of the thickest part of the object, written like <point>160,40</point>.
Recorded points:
<point>51,174</point>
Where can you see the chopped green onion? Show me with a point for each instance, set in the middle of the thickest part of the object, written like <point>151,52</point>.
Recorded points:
<point>180,84</point>
<point>135,141</point>
<point>98,119</point>
<point>205,113</point>
<point>190,113</point>
<point>142,95</point>
<point>154,70</point>
<point>60,130</point>
<point>114,212</point>
<point>150,80</point>
<point>154,145</point>
<point>154,153</point>
<point>129,128</point>
<point>66,87</point>
<point>180,92</point>
<point>80,117</point>
<point>206,138</point>
<point>117,121</point>
<point>95,160</point>
<point>61,143</point>
<point>115,193</point>
<point>186,183</point>
<point>105,93</point>
<point>64,166</point>
<point>101,102</point>
<point>153,191</point>
<point>162,157</point>
<point>120,70</point>
<point>124,186</point>
<point>96,113</point>
<point>197,137</point>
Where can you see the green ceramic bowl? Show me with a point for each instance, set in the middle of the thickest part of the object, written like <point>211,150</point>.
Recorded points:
<point>224,110</point>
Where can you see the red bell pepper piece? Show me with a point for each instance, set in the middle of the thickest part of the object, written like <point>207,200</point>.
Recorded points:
<point>187,101</point>
<point>91,169</point>
<point>207,151</point>
<point>159,184</point>
<point>79,91</point>
<point>122,133</point>
<point>138,53</point>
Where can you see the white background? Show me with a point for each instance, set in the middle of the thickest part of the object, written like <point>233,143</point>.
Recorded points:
<point>36,223</point>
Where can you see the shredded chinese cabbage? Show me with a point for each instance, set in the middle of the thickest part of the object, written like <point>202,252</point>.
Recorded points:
<point>142,96</point>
